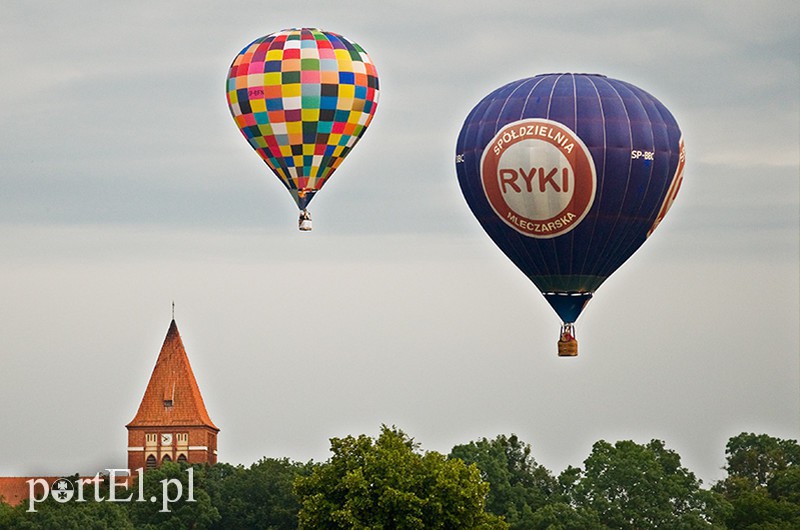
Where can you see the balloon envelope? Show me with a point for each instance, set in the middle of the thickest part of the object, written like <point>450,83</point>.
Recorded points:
<point>569,174</point>
<point>302,98</point>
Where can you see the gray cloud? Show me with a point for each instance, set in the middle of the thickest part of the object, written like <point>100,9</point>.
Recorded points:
<point>125,185</point>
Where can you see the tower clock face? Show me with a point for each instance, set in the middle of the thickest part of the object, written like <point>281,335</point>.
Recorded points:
<point>166,439</point>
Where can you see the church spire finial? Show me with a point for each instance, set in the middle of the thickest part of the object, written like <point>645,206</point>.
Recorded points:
<point>173,310</point>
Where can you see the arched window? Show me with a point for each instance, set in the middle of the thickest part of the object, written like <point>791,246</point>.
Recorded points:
<point>151,462</point>
<point>181,458</point>
<point>166,459</point>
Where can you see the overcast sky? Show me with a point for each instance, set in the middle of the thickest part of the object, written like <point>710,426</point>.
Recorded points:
<point>125,185</point>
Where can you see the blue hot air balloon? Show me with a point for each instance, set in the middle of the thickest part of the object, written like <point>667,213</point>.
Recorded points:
<point>569,174</point>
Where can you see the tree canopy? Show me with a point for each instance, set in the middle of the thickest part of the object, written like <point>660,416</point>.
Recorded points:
<point>257,497</point>
<point>763,482</point>
<point>518,486</point>
<point>634,486</point>
<point>389,482</point>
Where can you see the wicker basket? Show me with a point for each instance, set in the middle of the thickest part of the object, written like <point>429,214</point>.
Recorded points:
<point>567,348</point>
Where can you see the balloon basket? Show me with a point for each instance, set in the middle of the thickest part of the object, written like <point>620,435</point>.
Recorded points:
<point>304,223</point>
<point>567,344</point>
<point>568,348</point>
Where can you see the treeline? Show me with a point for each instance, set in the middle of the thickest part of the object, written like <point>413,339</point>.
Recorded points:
<point>388,482</point>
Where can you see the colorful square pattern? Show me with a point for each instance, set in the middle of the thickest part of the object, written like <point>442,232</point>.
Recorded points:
<point>302,98</point>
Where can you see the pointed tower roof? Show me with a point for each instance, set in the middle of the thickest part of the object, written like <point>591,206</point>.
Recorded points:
<point>172,397</point>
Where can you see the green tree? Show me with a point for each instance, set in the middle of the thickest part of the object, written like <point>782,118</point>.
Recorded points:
<point>195,512</point>
<point>785,486</point>
<point>763,482</point>
<point>388,484</point>
<point>72,515</point>
<point>758,458</point>
<point>10,517</point>
<point>518,486</point>
<point>562,516</point>
<point>257,497</point>
<point>632,486</point>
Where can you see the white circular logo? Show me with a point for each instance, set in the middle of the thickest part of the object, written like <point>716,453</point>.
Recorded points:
<point>539,177</point>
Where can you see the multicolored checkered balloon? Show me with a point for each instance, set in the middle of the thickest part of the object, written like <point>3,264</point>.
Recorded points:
<point>302,98</point>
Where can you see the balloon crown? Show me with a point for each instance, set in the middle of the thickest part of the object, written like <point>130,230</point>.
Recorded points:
<point>574,73</point>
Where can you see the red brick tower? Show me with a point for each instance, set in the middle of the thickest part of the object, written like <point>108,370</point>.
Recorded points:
<point>172,423</point>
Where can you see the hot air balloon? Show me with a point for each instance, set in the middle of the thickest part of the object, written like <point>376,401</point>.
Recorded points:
<point>302,98</point>
<point>569,174</point>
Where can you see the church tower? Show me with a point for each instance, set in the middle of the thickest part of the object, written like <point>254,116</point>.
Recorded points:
<point>172,423</point>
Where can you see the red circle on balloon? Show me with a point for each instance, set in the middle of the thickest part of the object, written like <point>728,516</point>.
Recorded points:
<point>538,177</point>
